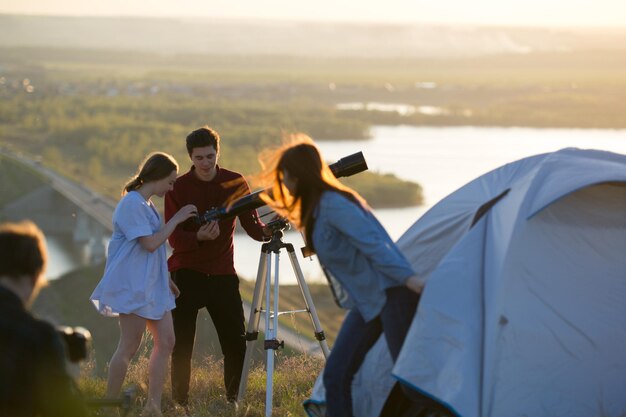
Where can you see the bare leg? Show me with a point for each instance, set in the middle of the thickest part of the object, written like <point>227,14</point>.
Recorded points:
<point>132,328</point>
<point>163,335</point>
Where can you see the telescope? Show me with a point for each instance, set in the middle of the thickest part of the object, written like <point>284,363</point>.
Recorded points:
<point>345,167</point>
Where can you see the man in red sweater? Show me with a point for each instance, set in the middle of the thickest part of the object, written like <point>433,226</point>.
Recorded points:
<point>202,263</point>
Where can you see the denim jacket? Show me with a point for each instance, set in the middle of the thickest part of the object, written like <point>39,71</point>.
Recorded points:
<point>357,253</point>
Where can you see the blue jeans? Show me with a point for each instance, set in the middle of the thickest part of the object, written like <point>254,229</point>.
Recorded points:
<point>355,339</point>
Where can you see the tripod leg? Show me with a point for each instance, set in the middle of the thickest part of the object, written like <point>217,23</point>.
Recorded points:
<point>319,333</point>
<point>252,331</point>
<point>271,332</point>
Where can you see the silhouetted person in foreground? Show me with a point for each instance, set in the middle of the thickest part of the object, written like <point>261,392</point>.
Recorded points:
<point>33,376</point>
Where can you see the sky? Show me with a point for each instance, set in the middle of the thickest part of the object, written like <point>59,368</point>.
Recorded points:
<point>557,13</point>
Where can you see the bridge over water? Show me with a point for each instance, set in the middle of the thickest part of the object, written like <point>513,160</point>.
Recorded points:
<point>63,207</point>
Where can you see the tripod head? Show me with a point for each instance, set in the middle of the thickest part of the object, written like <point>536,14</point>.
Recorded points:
<point>278,225</point>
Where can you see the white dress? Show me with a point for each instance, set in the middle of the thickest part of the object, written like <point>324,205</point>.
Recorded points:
<point>135,281</point>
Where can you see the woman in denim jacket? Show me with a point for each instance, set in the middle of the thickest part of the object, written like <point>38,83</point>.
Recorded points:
<point>374,279</point>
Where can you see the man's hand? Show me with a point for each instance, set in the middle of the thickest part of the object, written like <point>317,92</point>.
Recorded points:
<point>267,232</point>
<point>208,231</point>
<point>174,289</point>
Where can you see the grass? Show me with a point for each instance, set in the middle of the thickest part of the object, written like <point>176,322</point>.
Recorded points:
<point>17,180</point>
<point>293,379</point>
<point>329,314</point>
<point>66,301</point>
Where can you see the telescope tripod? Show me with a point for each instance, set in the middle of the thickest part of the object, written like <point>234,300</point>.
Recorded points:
<point>264,287</point>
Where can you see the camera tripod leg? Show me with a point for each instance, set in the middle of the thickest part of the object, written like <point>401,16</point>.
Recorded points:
<point>308,301</point>
<point>252,332</point>
<point>264,287</point>
<point>271,343</point>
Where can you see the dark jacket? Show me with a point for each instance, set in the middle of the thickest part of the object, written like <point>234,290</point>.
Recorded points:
<point>33,376</point>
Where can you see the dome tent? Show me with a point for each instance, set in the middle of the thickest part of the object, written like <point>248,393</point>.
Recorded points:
<point>523,313</point>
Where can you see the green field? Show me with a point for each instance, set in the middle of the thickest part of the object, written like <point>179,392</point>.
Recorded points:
<point>93,115</point>
<point>17,180</point>
<point>94,123</point>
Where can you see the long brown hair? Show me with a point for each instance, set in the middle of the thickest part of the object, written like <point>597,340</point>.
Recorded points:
<point>301,158</point>
<point>155,166</point>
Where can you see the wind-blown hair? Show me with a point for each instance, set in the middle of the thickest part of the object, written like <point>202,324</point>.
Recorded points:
<point>301,158</point>
<point>155,166</point>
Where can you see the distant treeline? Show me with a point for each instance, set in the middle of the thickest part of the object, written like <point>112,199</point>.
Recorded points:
<point>93,114</point>
<point>99,140</point>
<point>119,129</point>
<point>584,89</point>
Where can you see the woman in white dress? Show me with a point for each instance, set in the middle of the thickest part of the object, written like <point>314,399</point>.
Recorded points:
<point>136,286</point>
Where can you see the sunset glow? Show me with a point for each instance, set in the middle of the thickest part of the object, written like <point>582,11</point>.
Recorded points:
<point>600,13</point>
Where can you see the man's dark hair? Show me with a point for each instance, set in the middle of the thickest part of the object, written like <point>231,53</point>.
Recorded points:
<point>22,250</point>
<point>205,136</point>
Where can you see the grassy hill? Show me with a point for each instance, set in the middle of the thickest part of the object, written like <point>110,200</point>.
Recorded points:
<point>293,380</point>
<point>66,301</point>
<point>16,180</point>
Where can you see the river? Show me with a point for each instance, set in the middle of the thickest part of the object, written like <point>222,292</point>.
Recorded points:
<point>440,159</point>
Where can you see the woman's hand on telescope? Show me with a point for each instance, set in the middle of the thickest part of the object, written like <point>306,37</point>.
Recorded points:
<point>153,241</point>
<point>184,213</point>
<point>415,284</point>
<point>208,231</point>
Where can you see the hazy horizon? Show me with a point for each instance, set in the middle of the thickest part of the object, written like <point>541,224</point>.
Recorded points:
<point>230,36</point>
<point>303,20</point>
<point>531,13</point>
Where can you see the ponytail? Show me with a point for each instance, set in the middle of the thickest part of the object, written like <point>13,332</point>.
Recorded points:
<point>132,185</point>
<point>155,167</point>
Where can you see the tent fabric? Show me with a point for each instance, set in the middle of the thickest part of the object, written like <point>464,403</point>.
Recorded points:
<point>522,314</point>
<point>370,387</point>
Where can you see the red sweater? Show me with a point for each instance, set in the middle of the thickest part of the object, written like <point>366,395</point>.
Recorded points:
<point>213,257</point>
